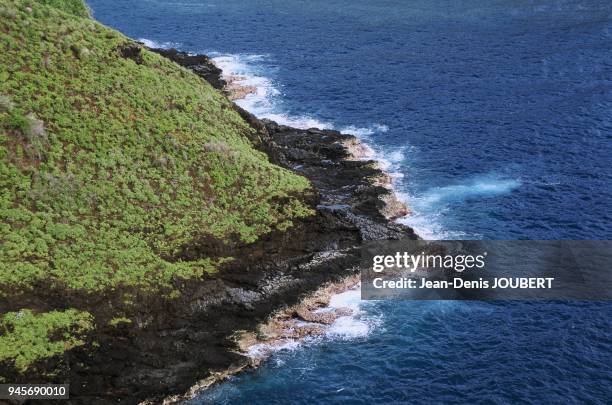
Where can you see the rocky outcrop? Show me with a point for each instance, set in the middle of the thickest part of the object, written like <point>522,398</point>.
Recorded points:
<point>199,64</point>
<point>173,344</point>
<point>235,89</point>
<point>347,183</point>
<point>131,50</point>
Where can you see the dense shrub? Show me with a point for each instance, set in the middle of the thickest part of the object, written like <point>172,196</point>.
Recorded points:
<point>28,337</point>
<point>76,7</point>
<point>109,167</point>
<point>102,175</point>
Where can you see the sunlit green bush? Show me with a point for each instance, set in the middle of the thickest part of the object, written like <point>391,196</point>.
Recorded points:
<point>26,337</point>
<point>109,168</point>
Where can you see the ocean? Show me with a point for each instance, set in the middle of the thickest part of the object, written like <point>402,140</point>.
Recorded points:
<point>494,118</point>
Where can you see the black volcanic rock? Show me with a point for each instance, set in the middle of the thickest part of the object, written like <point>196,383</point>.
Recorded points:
<point>131,50</point>
<point>172,344</point>
<point>201,65</point>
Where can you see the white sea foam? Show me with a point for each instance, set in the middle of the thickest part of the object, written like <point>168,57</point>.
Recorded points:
<point>397,156</point>
<point>302,122</point>
<point>356,325</point>
<point>390,162</point>
<point>264,102</point>
<point>265,349</point>
<point>476,187</point>
<point>426,222</point>
<point>364,131</point>
<point>429,206</point>
<point>164,45</point>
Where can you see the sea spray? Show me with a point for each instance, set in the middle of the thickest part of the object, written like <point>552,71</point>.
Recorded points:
<point>333,311</point>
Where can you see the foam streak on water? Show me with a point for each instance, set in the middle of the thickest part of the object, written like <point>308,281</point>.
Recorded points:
<point>163,45</point>
<point>436,201</point>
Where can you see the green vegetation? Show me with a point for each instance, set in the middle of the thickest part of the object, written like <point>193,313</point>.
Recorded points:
<point>121,320</point>
<point>109,168</point>
<point>76,7</point>
<point>28,337</point>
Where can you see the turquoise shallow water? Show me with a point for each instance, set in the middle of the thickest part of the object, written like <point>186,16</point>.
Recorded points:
<point>495,118</point>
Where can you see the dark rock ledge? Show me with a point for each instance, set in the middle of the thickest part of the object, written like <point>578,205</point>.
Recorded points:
<point>173,345</point>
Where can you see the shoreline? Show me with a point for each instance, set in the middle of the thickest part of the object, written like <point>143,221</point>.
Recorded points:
<point>357,149</point>
<point>312,316</point>
<point>282,327</point>
<point>276,333</point>
<point>168,348</point>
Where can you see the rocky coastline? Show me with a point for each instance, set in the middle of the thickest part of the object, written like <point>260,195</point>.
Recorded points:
<point>175,348</point>
<point>354,197</point>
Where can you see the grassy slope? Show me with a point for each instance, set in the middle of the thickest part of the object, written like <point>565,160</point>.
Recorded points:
<point>76,7</point>
<point>109,168</point>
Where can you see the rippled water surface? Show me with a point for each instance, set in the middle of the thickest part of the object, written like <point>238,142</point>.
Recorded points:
<point>495,118</point>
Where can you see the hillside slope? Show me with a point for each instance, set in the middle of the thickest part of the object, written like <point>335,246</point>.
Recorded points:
<point>114,163</point>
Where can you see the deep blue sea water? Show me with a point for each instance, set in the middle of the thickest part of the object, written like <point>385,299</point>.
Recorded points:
<point>495,118</point>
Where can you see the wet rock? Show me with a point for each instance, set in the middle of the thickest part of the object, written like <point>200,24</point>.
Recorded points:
<point>201,65</point>
<point>344,312</point>
<point>308,331</point>
<point>236,91</point>
<point>326,318</point>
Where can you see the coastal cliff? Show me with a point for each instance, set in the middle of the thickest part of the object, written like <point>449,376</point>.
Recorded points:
<point>354,204</point>
<point>262,246</point>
